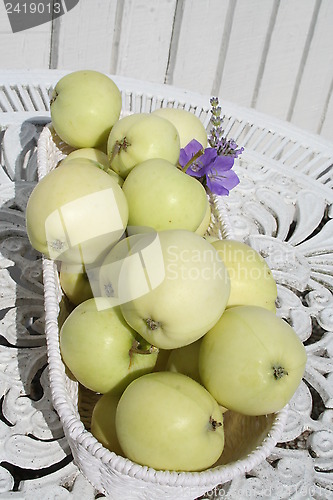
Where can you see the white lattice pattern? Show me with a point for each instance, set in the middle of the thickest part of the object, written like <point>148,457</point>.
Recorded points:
<point>282,207</point>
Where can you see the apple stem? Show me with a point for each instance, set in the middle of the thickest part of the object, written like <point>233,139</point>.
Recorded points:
<point>279,372</point>
<point>118,147</point>
<point>137,348</point>
<point>214,423</point>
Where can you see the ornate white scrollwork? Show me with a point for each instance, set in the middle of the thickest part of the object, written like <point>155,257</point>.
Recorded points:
<point>286,217</point>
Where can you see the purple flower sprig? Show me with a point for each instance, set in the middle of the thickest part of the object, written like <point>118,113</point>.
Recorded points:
<point>212,166</point>
<point>216,139</point>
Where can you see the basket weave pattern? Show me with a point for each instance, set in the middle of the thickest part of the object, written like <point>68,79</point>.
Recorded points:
<point>248,440</point>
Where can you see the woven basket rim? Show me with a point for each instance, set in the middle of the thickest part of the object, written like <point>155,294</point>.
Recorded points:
<point>74,427</point>
<point>78,432</point>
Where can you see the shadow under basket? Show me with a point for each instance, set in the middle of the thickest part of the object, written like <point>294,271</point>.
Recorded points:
<point>248,440</point>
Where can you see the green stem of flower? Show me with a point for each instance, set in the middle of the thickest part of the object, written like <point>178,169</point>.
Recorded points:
<point>195,157</point>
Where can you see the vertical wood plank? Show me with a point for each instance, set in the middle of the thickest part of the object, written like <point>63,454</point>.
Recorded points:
<point>145,37</point>
<point>245,51</point>
<point>174,41</point>
<point>285,52</point>
<point>326,123</point>
<point>224,46</point>
<point>24,49</point>
<point>315,86</point>
<point>274,55</point>
<point>84,36</point>
<point>198,50</point>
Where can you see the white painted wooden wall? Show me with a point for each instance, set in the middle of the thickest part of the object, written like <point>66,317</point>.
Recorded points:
<point>273,55</point>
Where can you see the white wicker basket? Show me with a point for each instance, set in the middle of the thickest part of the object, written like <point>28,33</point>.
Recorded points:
<point>249,440</point>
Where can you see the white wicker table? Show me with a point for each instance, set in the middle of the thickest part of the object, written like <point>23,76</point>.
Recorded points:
<point>282,207</point>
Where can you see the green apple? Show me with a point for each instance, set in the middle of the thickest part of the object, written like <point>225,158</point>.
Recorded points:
<point>65,308</point>
<point>110,283</point>
<point>251,361</point>
<point>91,153</point>
<point>103,422</point>
<point>184,288</point>
<point>211,238</point>
<point>75,283</point>
<point>251,280</point>
<point>188,125</point>
<point>205,223</point>
<point>100,348</point>
<point>84,106</point>
<point>185,360</point>
<point>168,421</point>
<point>97,155</point>
<point>76,213</point>
<point>140,137</point>
<point>119,131</point>
<point>161,196</point>
<point>162,359</point>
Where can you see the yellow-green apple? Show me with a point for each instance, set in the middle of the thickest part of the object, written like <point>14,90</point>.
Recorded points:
<point>97,155</point>
<point>185,360</point>
<point>184,288</point>
<point>119,131</point>
<point>252,361</point>
<point>76,213</point>
<point>168,421</point>
<point>205,223</point>
<point>139,137</point>
<point>84,106</point>
<point>188,125</point>
<point>103,422</point>
<point>91,153</point>
<point>161,196</point>
<point>211,237</point>
<point>162,359</point>
<point>101,349</point>
<point>110,283</point>
<point>251,279</point>
<point>75,283</point>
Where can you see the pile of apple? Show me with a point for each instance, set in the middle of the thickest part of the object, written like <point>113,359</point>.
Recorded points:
<point>171,327</point>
